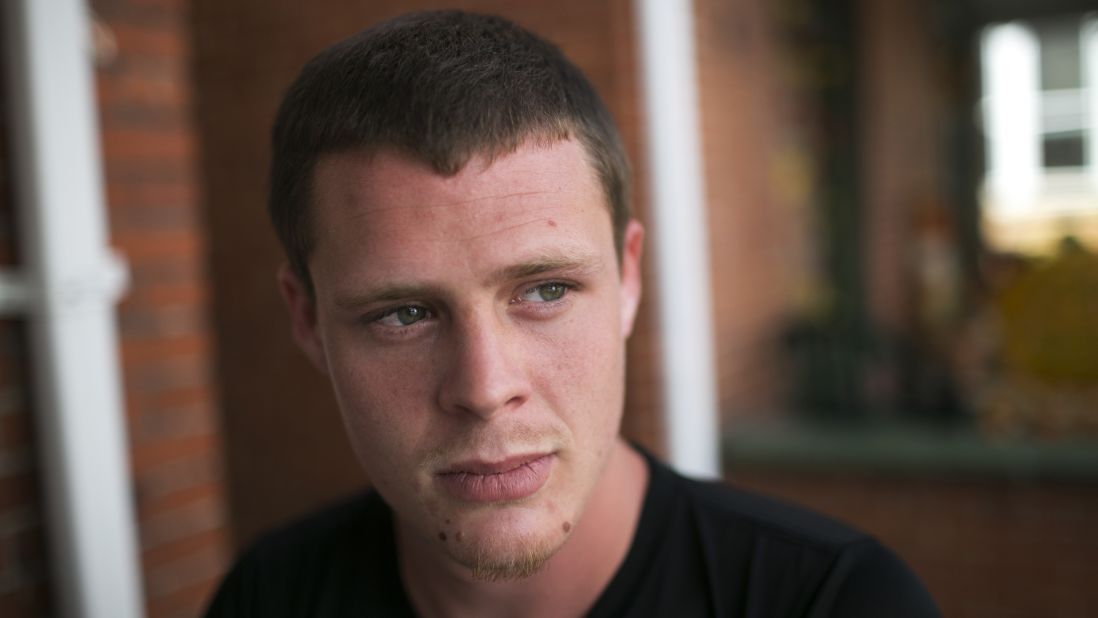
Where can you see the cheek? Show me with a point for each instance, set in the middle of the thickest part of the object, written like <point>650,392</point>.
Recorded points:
<point>382,408</point>
<point>590,370</point>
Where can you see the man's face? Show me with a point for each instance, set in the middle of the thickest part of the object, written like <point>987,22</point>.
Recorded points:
<point>473,327</point>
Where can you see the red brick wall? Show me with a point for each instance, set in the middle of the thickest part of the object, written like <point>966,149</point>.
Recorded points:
<point>285,445</point>
<point>758,181</point>
<point>903,133</point>
<point>153,201</point>
<point>155,208</point>
<point>984,547</point>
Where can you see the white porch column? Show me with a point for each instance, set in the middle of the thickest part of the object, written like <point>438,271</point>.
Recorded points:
<point>677,190</point>
<point>68,285</point>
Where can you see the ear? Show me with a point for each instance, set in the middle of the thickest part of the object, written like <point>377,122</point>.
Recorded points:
<point>631,250</point>
<point>302,309</point>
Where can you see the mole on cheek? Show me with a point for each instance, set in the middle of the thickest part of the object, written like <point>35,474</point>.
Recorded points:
<point>447,522</point>
<point>552,223</point>
<point>442,536</point>
<point>566,526</point>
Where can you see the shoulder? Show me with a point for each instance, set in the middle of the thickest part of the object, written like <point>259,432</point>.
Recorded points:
<point>321,537</point>
<point>867,579</point>
<point>733,519</point>
<point>325,529</point>
<point>310,562</point>
<point>724,505</point>
<point>789,560</point>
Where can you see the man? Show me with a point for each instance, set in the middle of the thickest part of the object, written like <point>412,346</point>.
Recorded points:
<point>452,197</point>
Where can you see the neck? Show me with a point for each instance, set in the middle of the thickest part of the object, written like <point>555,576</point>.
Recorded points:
<point>569,583</point>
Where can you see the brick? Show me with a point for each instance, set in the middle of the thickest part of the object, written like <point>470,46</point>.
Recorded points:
<point>137,247</point>
<point>171,552</point>
<point>162,425</point>
<point>140,351</point>
<point>167,270</point>
<point>163,218</point>
<point>130,116</point>
<point>175,482</point>
<point>194,518</point>
<point>167,450</point>
<point>152,13</point>
<point>168,502</point>
<point>144,40</point>
<point>152,194</point>
<point>141,323</point>
<point>171,398</point>
<point>151,425</point>
<point>146,86</point>
<point>174,145</point>
<point>139,172</point>
<point>131,78</point>
<point>969,541</point>
<point>171,294</point>
<point>165,374</point>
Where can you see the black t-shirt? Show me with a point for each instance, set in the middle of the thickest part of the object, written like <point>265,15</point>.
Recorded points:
<point>701,549</point>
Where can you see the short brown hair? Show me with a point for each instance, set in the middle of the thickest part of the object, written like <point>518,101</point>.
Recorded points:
<point>443,87</point>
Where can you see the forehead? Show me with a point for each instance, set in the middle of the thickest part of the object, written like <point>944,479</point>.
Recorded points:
<point>384,174</point>
<point>386,210</point>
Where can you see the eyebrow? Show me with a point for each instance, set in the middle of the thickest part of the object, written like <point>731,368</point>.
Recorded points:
<point>574,263</point>
<point>571,262</point>
<point>385,293</point>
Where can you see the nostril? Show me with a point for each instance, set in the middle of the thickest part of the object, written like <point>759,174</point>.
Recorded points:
<point>483,375</point>
<point>483,385</point>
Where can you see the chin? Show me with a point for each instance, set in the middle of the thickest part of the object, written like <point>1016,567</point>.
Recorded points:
<point>505,544</point>
<point>506,557</point>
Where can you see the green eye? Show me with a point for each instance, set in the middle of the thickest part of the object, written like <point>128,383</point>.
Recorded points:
<point>403,316</point>
<point>545,293</point>
<point>409,314</point>
<point>551,291</point>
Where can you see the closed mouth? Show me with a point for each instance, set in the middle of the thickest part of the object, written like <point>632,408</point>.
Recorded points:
<point>510,479</point>
<point>485,468</point>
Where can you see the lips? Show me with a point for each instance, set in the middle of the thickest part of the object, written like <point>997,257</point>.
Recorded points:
<point>514,478</point>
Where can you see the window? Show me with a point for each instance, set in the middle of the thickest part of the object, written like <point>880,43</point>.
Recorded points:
<point>1040,104</point>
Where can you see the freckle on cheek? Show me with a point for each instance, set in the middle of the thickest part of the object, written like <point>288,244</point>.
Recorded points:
<point>442,536</point>
<point>566,526</point>
<point>447,522</point>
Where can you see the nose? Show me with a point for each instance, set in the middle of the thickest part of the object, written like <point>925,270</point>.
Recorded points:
<point>484,375</point>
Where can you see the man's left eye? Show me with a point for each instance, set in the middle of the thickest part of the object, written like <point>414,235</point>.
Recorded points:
<point>545,293</point>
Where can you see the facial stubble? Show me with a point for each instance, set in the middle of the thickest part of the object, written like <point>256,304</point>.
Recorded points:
<point>527,561</point>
